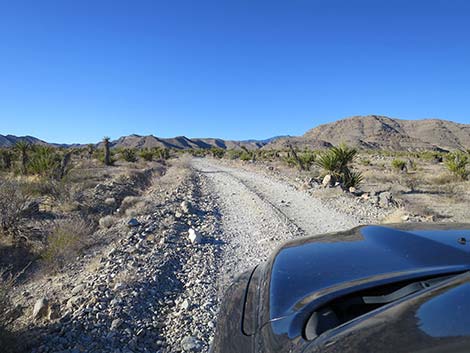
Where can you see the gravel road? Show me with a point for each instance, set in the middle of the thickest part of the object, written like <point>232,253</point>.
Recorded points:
<point>154,288</point>
<point>258,213</point>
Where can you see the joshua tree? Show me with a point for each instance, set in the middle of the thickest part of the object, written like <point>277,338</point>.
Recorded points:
<point>22,147</point>
<point>107,155</point>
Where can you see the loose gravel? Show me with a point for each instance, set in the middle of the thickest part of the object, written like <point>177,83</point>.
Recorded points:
<point>158,287</point>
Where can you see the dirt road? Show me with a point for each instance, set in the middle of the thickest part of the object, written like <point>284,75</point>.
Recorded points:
<point>258,213</point>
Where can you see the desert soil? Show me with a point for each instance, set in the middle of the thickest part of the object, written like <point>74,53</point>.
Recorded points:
<point>153,289</point>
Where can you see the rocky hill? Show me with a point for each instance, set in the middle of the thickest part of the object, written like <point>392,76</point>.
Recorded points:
<point>381,132</point>
<point>11,140</point>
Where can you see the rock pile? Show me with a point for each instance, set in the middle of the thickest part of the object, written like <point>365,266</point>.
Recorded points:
<point>153,290</point>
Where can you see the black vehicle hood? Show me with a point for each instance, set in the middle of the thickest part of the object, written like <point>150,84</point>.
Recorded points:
<point>308,272</point>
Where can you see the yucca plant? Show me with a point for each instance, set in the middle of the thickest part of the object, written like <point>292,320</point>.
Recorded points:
<point>44,161</point>
<point>336,161</point>
<point>22,148</point>
<point>352,179</point>
<point>457,163</point>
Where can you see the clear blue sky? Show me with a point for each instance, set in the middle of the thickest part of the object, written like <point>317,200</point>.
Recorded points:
<point>74,71</point>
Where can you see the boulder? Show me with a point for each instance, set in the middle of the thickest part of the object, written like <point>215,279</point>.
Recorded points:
<point>116,323</point>
<point>385,199</point>
<point>191,344</point>
<point>41,308</point>
<point>186,207</point>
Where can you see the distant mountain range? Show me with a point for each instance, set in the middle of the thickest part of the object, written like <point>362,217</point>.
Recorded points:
<point>368,132</point>
<point>182,142</point>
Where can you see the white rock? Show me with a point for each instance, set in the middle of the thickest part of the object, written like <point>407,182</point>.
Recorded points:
<point>327,180</point>
<point>194,237</point>
<point>185,305</point>
<point>40,308</point>
<point>78,289</point>
<point>116,323</point>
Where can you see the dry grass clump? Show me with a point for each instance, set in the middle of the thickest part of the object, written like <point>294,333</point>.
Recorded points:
<point>14,204</point>
<point>66,240</point>
<point>8,314</point>
<point>107,222</point>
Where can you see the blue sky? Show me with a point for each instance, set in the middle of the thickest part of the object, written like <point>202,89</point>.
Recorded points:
<point>74,71</point>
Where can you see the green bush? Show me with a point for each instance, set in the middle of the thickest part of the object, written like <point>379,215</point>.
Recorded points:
<point>457,163</point>
<point>352,179</point>
<point>246,156</point>
<point>399,165</point>
<point>146,155</point>
<point>337,159</point>
<point>161,153</point>
<point>217,152</point>
<point>233,154</point>
<point>129,155</point>
<point>44,161</point>
<point>6,158</point>
<point>307,158</point>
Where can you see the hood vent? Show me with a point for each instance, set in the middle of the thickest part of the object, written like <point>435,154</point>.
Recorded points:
<point>347,308</point>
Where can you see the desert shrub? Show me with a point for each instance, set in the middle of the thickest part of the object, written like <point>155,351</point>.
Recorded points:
<point>22,148</point>
<point>457,163</point>
<point>107,222</point>
<point>7,316</point>
<point>436,157</point>
<point>399,165</point>
<point>161,153</point>
<point>6,158</point>
<point>336,161</point>
<point>302,160</point>
<point>128,154</point>
<point>307,158</point>
<point>129,202</point>
<point>233,154</point>
<point>13,206</point>
<point>44,161</point>
<point>100,155</point>
<point>67,238</point>
<point>146,155</point>
<point>365,162</point>
<point>245,156</point>
<point>217,152</point>
<point>352,179</point>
